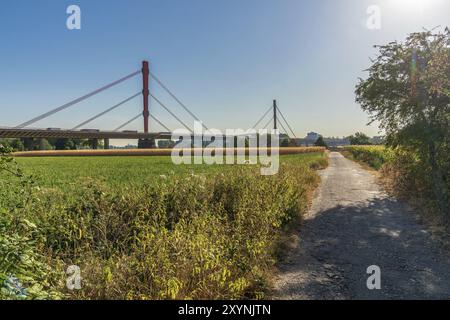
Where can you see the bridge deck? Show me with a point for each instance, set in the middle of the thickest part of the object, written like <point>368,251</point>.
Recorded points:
<point>79,134</point>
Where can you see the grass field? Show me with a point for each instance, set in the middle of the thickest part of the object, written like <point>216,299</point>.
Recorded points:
<point>143,228</point>
<point>119,171</point>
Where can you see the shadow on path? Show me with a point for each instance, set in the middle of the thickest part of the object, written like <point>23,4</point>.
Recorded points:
<point>337,245</point>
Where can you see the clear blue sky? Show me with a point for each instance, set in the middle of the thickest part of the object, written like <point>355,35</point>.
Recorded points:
<point>226,60</point>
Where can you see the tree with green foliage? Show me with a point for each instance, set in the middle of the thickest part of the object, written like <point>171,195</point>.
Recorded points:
<point>66,144</point>
<point>359,139</point>
<point>284,142</point>
<point>44,144</point>
<point>408,93</point>
<point>320,142</point>
<point>14,144</point>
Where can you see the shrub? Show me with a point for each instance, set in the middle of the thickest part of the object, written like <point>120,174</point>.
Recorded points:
<point>404,173</point>
<point>24,271</point>
<point>374,156</point>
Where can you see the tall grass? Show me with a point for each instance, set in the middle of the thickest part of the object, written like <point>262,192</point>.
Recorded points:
<point>176,236</point>
<point>374,156</point>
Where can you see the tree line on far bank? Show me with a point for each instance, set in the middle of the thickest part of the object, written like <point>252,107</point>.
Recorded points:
<point>27,144</point>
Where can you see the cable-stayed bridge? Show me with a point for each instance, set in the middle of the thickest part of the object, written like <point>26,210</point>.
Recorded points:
<point>146,138</point>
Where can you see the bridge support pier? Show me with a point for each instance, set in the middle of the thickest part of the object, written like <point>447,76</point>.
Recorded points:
<point>94,144</point>
<point>28,143</point>
<point>145,93</point>
<point>106,143</point>
<point>275,114</point>
<point>146,144</point>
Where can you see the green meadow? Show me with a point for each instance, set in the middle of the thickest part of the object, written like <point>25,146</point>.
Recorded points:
<point>144,228</point>
<point>129,170</point>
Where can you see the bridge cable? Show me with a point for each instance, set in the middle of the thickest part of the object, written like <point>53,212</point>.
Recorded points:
<point>71,103</point>
<point>177,100</point>
<point>168,110</point>
<point>128,122</point>
<point>268,122</point>
<point>285,131</point>
<point>265,114</point>
<point>292,131</point>
<point>106,111</point>
<point>162,124</point>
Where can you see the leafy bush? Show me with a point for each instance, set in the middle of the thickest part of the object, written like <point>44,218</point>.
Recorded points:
<point>24,272</point>
<point>360,139</point>
<point>409,177</point>
<point>374,156</point>
<point>320,142</point>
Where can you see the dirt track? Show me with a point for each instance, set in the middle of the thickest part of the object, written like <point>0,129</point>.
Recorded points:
<point>353,224</point>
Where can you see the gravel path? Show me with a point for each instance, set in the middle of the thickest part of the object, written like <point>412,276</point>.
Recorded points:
<point>352,225</point>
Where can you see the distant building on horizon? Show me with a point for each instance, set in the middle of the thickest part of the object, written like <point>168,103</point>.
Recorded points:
<point>311,138</point>
<point>336,142</point>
